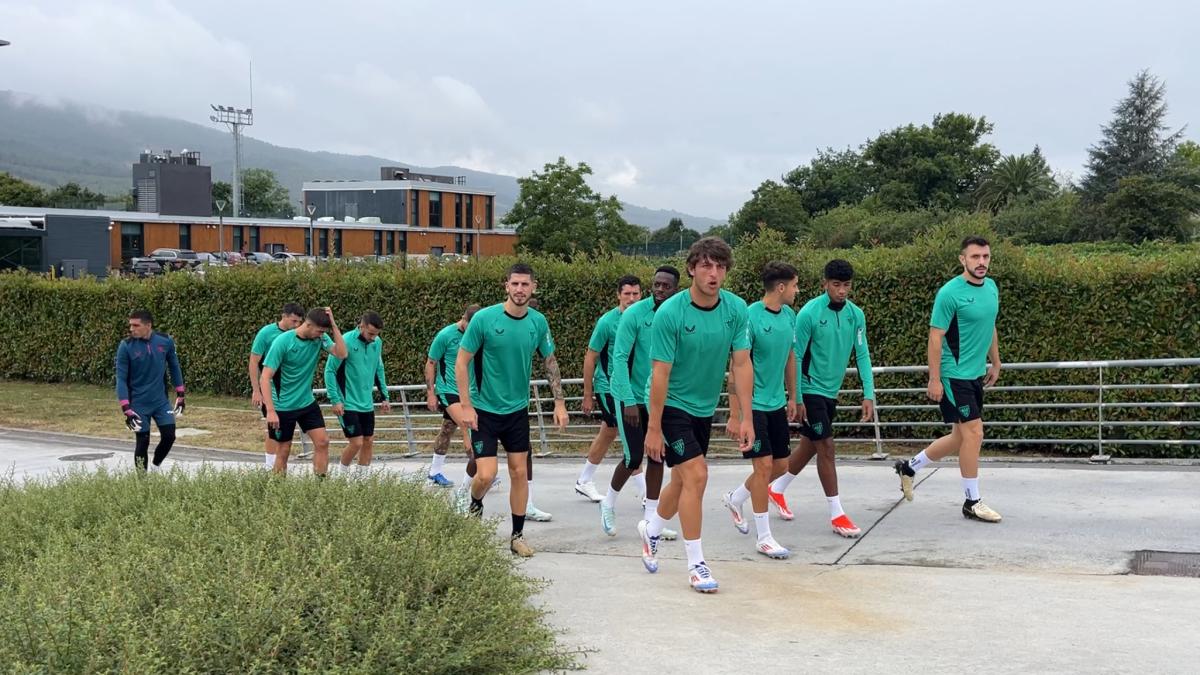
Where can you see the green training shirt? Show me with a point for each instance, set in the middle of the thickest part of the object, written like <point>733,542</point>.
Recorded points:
<point>601,342</point>
<point>825,336</point>
<point>443,352</point>
<point>771,341</point>
<point>351,380</point>
<point>697,341</point>
<point>294,360</point>
<point>631,353</point>
<point>264,337</point>
<point>503,346</point>
<point>967,312</point>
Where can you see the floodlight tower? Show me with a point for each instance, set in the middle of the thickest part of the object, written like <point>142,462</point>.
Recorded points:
<point>235,119</point>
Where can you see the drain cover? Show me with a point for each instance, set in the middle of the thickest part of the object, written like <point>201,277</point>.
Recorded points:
<point>85,457</point>
<point>1165,564</point>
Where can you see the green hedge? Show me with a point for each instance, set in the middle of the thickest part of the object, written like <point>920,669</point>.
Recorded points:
<point>1058,303</point>
<point>229,572</point>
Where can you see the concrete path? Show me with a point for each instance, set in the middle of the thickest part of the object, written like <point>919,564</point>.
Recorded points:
<point>1047,590</point>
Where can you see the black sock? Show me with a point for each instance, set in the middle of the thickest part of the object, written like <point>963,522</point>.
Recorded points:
<point>518,525</point>
<point>971,502</point>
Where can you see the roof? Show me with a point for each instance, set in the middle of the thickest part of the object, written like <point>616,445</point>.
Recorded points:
<point>24,212</point>
<point>431,186</point>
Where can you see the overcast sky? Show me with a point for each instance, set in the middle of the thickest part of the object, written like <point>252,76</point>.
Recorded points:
<point>684,105</point>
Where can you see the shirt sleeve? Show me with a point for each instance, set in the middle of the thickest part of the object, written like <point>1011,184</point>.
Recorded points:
<point>664,336</point>
<point>472,339</point>
<point>380,377</point>
<point>326,342</point>
<point>599,335</point>
<point>862,356</point>
<point>741,329</point>
<point>274,355</point>
<point>943,310</point>
<point>332,390</point>
<point>259,345</point>
<point>545,341</point>
<point>122,373</point>
<point>803,335</point>
<point>618,379</point>
<point>437,349</point>
<point>173,365</point>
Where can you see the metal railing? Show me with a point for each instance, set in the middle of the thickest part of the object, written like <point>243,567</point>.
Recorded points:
<point>1090,405</point>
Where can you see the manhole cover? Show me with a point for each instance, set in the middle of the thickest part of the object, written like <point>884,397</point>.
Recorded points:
<point>85,457</point>
<point>1165,564</point>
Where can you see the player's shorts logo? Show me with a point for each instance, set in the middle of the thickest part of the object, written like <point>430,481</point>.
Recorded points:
<point>965,410</point>
<point>818,427</point>
<point>677,446</point>
<point>478,446</point>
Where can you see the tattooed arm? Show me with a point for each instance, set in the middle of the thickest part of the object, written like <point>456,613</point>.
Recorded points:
<point>555,378</point>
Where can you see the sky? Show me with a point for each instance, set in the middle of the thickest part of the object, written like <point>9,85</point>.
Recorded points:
<point>680,105</point>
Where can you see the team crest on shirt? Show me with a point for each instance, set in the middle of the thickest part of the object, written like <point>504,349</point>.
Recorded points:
<point>677,446</point>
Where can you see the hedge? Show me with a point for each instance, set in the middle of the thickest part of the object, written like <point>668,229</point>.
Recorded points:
<point>220,571</point>
<point>1058,303</point>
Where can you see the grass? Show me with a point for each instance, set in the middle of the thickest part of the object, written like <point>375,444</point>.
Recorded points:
<point>227,571</point>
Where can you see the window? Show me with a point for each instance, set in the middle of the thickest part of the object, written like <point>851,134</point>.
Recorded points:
<point>254,238</point>
<point>132,244</point>
<point>402,237</point>
<point>323,243</point>
<point>487,223</point>
<point>185,236</point>
<point>238,239</point>
<point>308,242</point>
<point>378,242</point>
<point>458,216</point>
<point>469,212</point>
<point>337,243</point>
<point>436,251</point>
<point>21,252</point>
<point>391,243</point>
<point>435,209</point>
<point>470,247</point>
<point>415,219</point>
<point>458,243</point>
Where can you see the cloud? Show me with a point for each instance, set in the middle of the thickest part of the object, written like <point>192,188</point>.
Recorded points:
<point>623,177</point>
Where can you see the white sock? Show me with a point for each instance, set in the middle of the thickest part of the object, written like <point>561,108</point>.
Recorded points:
<point>155,468</point>
<point>466,479</point>
<point>695,554</point>
<point>439,461</point>
<point>589,470</point>
<point>739,495</point>
<point>656,524</point>
<point>835,507</point>
<point>269,460</point>
<point>610,498</point>
<point>971,488</point>
<point>919,461</point>
<point>651,507</point>
<point>783,482</point>
<point>640,479</point>
<point>344,468</point>
<point>762,523</point>
<point>529,500</point>
<point>361,469</point>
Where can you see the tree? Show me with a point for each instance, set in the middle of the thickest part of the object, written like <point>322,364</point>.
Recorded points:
<point>1016,178</point>
<point>263,196</point>
<point>1136,142</point>
<point>557,212</point>
<point>72,195</point>
<point>831,179</point>
<point>222,191</point>
<point>16,192</point>
<point>931,166</point>
<point>675,232</point>
<point>721,231</point>
<point>1144,208</point>
<point>773,206</point>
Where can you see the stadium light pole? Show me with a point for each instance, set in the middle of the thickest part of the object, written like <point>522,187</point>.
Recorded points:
<point>312,245</point>
<point>235,119</point>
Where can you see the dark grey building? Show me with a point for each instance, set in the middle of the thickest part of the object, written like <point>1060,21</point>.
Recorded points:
<point>71,245</point>
<point>175,185</point>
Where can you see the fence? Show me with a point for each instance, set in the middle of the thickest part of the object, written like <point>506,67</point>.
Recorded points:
<point>1062,407</point>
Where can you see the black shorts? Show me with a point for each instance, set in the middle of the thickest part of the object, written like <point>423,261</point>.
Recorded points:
<point>608,409</point>
<point>511,431</point>
<point>355,424</point>
<point>308,418</point>
<point>633,437</point>
<point>686,436</point>
<point>819,413</point>
<point>962,400</point>
<point>771,435</point>
<point>444,403</point>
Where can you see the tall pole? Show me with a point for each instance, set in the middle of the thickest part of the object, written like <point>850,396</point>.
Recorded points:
<point>234,119</point>
<point>221,228</point>
<point>312,245</point>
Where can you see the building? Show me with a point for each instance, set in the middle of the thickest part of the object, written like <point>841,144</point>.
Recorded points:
<point>39,238</point>
<point>456,216</point>
<point>177,185</point>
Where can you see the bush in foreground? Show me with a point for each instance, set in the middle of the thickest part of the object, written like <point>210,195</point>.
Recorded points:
<point>230,572</point>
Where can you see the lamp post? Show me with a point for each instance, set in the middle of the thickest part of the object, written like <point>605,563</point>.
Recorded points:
<point>221,227</point>
<point>312,245</point>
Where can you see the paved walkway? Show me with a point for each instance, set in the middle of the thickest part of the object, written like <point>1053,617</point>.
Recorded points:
<point>1046,590</point>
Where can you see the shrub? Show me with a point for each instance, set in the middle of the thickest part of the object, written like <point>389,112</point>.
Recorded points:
<point>224,572</point>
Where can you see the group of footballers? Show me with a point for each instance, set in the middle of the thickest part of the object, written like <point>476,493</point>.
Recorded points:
<point>654,371</point>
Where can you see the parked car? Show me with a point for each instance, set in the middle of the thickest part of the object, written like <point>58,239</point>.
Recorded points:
<point>175,258</point>
<point>259,258</point>
<point>144,267</point>
<point>230,257</point>
<point>204,258</point>
<point>285,257</point>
